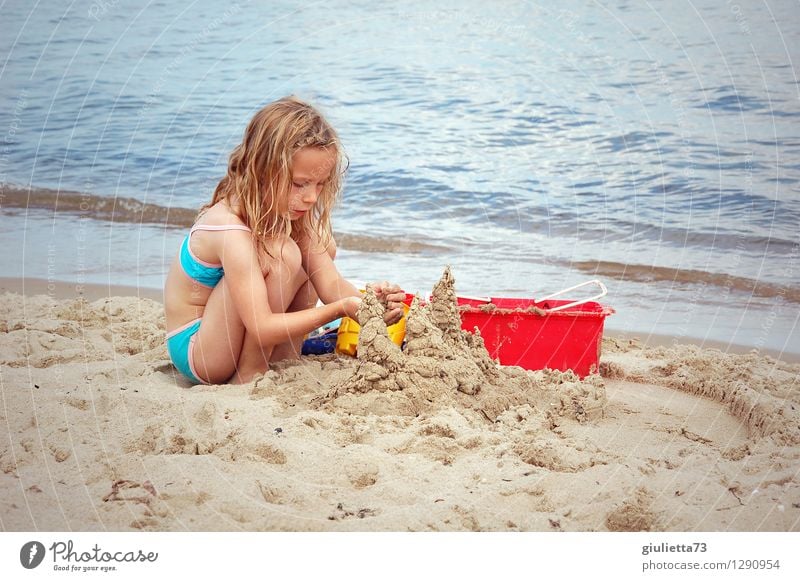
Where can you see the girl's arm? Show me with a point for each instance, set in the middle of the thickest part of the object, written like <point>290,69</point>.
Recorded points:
<point>248,290</point>
<point>326,278</point>
<point>331,286</point>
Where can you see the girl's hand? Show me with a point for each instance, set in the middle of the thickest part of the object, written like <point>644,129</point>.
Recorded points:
<point>392,297</point>
<point>350,306</point>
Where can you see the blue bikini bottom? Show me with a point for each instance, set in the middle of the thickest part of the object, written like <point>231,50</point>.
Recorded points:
<point>179,345</point>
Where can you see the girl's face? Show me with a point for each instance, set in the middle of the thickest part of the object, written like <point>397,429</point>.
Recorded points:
<point>311,168</point>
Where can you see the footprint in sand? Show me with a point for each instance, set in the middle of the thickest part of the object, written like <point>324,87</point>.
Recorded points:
<point>635,514</point>
<point>362,474</point>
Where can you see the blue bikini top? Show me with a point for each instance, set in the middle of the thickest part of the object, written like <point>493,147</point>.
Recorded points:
<point>204,273</point>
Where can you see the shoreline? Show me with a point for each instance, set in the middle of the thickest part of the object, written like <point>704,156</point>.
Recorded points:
<point>58,289</point>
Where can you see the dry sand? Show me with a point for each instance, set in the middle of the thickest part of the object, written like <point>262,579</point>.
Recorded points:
<point>101,433</point>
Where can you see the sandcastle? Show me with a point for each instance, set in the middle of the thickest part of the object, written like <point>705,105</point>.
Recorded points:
<point>443,365</point>
<point>439,356</point>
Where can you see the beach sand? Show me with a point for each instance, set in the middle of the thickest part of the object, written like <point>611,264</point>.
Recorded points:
<point>101,433</point>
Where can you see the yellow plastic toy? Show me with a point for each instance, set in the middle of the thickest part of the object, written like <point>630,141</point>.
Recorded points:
<point>347,337</point>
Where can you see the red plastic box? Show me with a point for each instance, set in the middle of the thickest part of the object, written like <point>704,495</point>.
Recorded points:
<point>565,339</point>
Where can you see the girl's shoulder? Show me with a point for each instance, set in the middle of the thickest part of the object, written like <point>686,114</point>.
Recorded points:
<point>220,214</point>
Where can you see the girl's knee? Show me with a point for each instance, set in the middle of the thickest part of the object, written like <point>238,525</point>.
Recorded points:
<point>291,255</point>
<point>285,255</point>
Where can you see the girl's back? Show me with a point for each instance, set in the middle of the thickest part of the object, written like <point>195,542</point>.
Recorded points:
<point>185,296</point>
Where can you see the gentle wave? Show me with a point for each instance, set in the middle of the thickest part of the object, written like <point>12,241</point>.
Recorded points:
<point>662,274</point>
<point>111,209</point>
<point>131,211</point>
<point>362,243</point>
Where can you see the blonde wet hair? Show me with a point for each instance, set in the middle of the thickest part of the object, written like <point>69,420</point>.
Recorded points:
<point>259,175</point>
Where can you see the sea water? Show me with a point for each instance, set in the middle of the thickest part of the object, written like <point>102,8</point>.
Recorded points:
<point>530,145</point>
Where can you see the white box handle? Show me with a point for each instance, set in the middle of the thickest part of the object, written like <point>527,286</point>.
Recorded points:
<point>603,292</point>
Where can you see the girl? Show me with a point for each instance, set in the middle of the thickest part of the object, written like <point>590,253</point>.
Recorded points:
<point>243,288</point>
